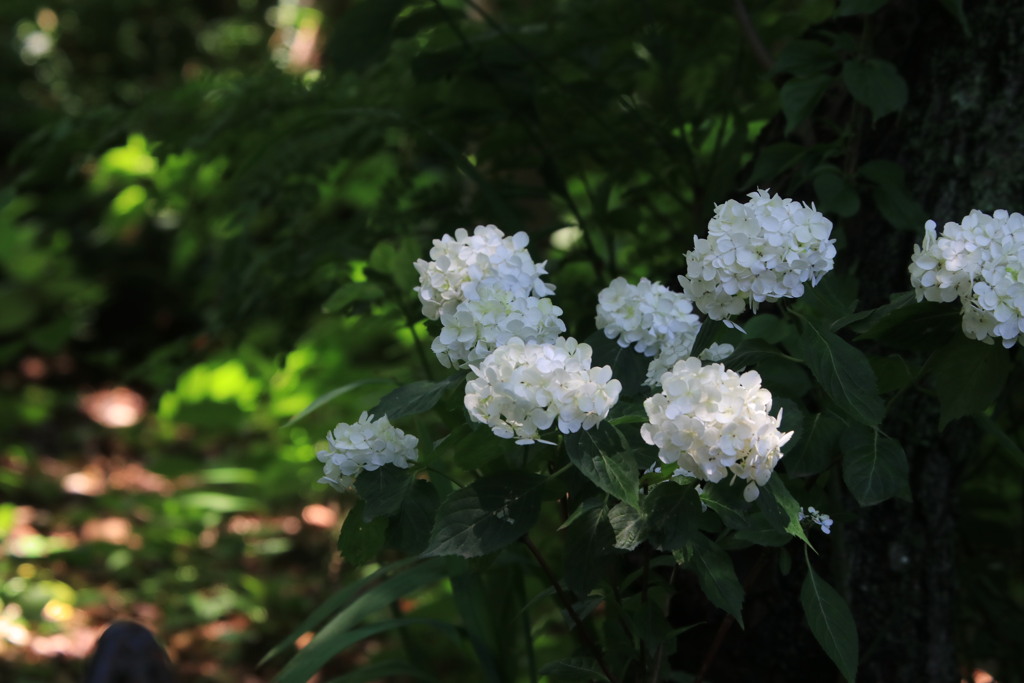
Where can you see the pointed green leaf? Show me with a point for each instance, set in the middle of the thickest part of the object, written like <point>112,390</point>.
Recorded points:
<point>831,623</point>
<point>875,467</point>
<point>410,530</point>
<point>361,540</point>
<point>968,376</point>
<point>818,447</point>
<point>844,373</point>
<point>487,515</point>
<point>383,490</point>
<point>715,573</point>
<point>673,513</point>
<point>574,669</point>
<point>876,84</point>
<point>780,508</point>
<point>415,398</point>
<point>799,96</point>
<point>603,456</point>
<point>588,541</point>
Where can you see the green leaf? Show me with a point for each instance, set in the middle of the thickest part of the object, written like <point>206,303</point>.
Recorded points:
<point>588,541</point>
<point>603,456</point>
<point>361,540</point>
<point>805,58</point>
<point>709,330</point>
<point>891,196</point>
<point>415,398</point>
<point>338,633</point>
<point>673,512</point>
<point>385,671</point>
<point>715,573</point>
<point>831,623</point>
<point>818,447</point>
<point>851,7</point>
<point>331,395</point>
<point>410,530</point>
<point>799,96</point>
<point>487,515</point>
<point>628,524</point>
<point>968,377</point>
<point>874,466</point>
<point>956,8</point>
<point>836,195</point>
<point>338,600</point>
<point>780,508</point>
<point>844,373</point>
<point>574,669</point>
<point>909,325</point>
<point>364,37</point>
<point>876,84</point>
<point>383,490</point>
<point>728,503</point>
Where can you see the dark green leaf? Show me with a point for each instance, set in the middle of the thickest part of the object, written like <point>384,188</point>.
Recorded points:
<point>774,160</point>
<point>487,515</point>
<point>874,465</point>
<point>573,669</point>
<point>956,8</point>
<point>383,490</point>
<point>360,541</point>
<point>851,7</point>
<point>805,58</point>
<point>715,573</point>
<point>818,447</point>
<point>386,671</point>
<point>844,373</point>
<point>831,623</point>
<point>727,502</point>
<point>968,376</point>
<point>799,96</point>
<point>673,512</point>
<point>338,633</point>
<point>587,542</point>
<point>836,195</point>
<point>364,36</point>
<point>604,458</point>
<point>350,293</point>
<point>709,330</point>
<point>410,530</point>
<point>909,325</point>
<point>876,84</point>
<point>415,398</point>
<point>780,508</point>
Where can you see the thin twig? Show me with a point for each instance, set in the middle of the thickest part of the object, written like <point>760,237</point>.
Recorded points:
<point>588,642</point>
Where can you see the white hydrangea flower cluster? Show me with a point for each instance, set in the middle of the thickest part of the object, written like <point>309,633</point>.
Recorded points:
<point>817,517</point>
<point>981,262</point>
<point>457,265</point>
<point>522,388</point>
<point>366,445</point>
<point>647,314</point>
<point>485,289</point>
<point>763,250</point>
<point>478,326</point>
<point>665,360</point>
<point>712,422</point>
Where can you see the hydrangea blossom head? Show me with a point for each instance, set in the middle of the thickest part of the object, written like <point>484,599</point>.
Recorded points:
<point>474,328</point>
<point>366,445</point>
<point>458,264</point>
<point>979,261</point>
<point>648,315</point>
<point>713,423</point>
<point>763,250</point>
<point>523,388</point>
